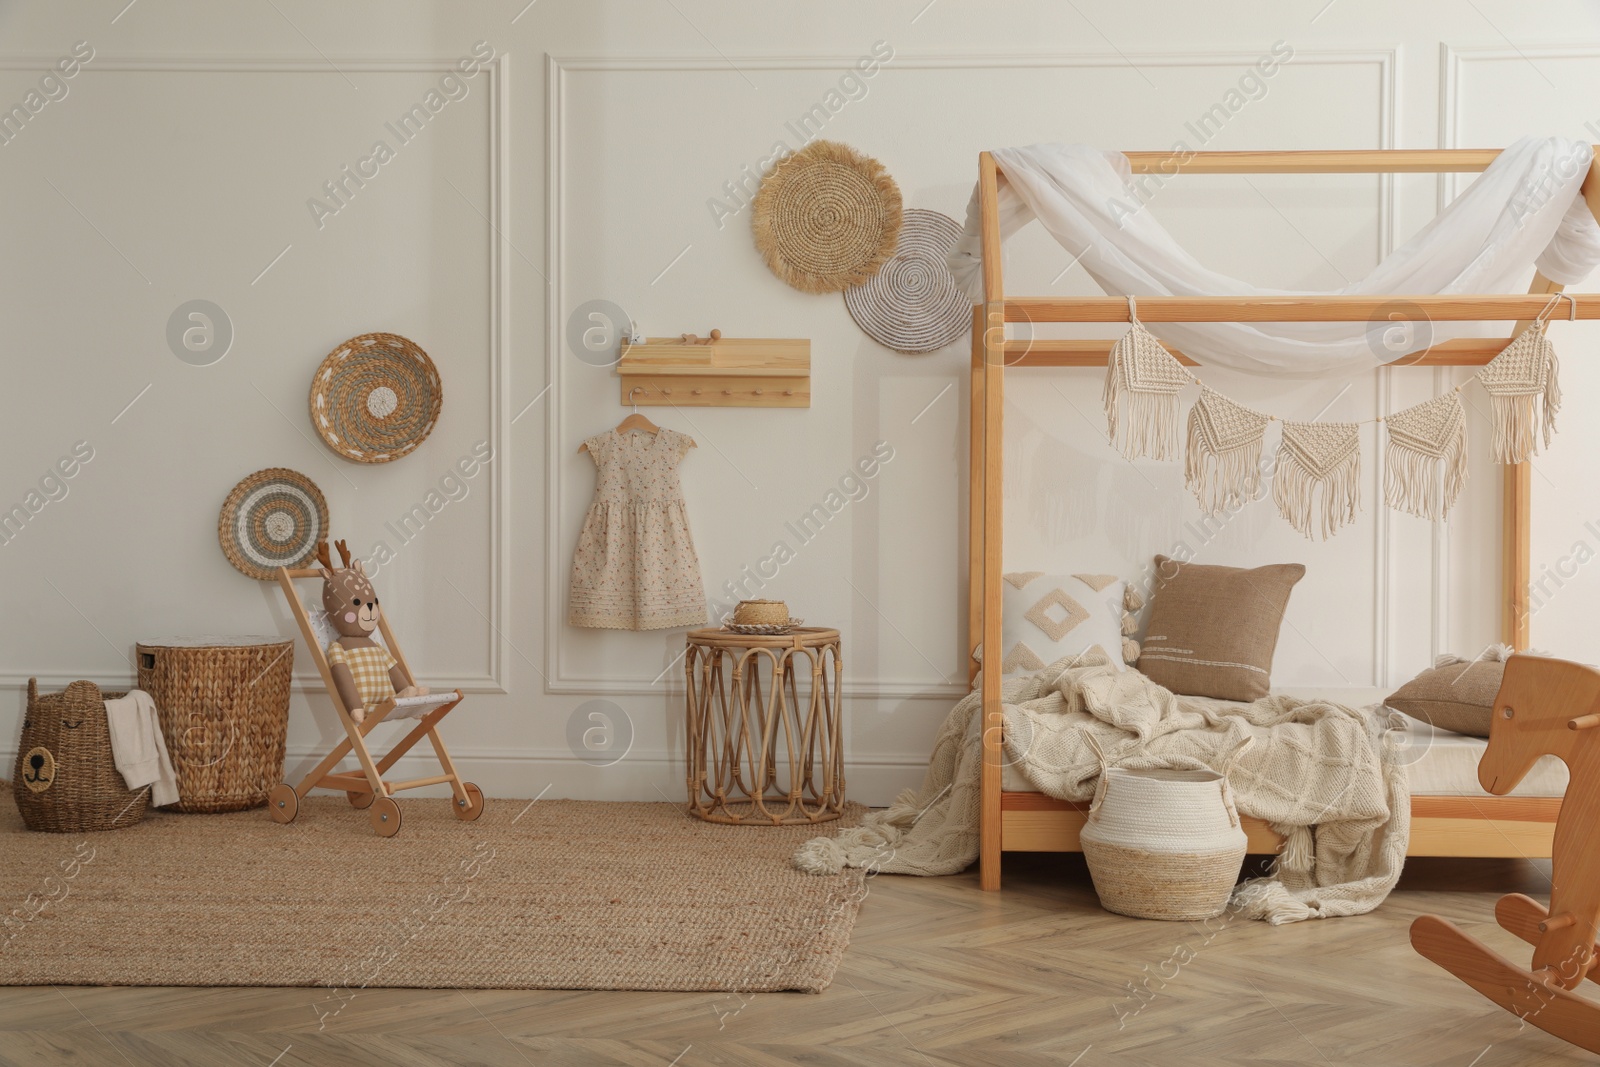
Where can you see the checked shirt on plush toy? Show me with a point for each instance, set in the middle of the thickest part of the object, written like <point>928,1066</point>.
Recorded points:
<point>363,670</point>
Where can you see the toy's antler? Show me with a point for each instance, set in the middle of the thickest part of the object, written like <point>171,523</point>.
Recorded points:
<point>322,555</point>
<point>344,553</point>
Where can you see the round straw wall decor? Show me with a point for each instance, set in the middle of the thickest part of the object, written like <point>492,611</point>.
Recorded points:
<point>827,217</point>
<point>913,304</point>
<point>274,518</point>
<point>375,398</point>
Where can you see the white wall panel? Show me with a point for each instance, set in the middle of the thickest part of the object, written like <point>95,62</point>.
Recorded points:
<point>179,164</point>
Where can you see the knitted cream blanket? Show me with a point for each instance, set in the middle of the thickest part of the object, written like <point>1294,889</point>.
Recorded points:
<point>1328,778</point>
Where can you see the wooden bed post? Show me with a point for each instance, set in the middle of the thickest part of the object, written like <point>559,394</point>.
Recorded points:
<point>994,343</point>
<point>975,499</point>
<point>1515,547</point>
<point>1516,524</point>
<point>1516,512</point>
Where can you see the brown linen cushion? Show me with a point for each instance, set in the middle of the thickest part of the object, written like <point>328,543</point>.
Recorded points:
<point>1213,630</point>
<point>1454,694</point>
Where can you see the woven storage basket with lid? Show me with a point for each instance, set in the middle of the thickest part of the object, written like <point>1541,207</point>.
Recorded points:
<point>224,707</point>
<point>1164,844</point>
<point>66,779</point>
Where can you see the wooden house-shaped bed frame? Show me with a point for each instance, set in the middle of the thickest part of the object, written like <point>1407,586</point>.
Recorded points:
<point>1033,822</point>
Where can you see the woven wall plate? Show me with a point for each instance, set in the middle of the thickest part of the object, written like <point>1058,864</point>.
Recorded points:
<point>826,218</point>
<point>375,398</point>
<point>913,304</point>
<point>274,518</point>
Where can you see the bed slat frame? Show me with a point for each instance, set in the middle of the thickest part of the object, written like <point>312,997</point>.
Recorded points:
<point>1454,826</point>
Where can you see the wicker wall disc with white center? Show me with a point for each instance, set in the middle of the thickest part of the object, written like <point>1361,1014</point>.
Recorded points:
<point>274,518</point>
<point>826,217</point>
<point>913,304</point>
<point>375,398</point>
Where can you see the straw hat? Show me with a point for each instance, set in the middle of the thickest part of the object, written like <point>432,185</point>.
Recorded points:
<point>827,217</point>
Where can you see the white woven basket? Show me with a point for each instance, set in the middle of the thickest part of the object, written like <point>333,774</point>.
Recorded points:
<point>1163,844</point>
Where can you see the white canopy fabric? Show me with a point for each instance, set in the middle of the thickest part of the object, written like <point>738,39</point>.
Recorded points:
<point>1525,210</point>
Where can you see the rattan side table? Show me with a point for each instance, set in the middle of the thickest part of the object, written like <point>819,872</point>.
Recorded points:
<point>759,753</point>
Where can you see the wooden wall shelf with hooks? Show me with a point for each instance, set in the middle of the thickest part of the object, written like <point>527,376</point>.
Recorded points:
<point>743,372</point>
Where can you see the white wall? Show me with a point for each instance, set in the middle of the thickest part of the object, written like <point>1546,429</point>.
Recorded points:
<point>579,166</point>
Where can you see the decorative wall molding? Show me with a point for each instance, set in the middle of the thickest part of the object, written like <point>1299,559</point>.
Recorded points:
<point>556,94</point>
<point>1453,61</point>
<point>972,61</point>
<point>301,682</point>
<point>496,216</point>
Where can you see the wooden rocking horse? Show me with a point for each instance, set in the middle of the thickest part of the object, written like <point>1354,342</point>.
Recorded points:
<point>1544,706</point>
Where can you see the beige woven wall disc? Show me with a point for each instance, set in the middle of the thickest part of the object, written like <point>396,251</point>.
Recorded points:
<point>827,217</point>
<point>376,397</point>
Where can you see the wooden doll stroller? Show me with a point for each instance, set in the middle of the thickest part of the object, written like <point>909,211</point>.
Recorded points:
<point>366,787</point>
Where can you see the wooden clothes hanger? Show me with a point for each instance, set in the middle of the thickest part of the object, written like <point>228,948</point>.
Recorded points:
<point>633,422</point>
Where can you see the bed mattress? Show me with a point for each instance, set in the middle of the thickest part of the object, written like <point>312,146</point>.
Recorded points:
<point>1440,764</point>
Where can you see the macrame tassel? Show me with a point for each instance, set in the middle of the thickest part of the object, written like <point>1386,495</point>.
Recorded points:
<point>1151,425</point>
<point>1523,379</point>
<point>1223,464</point>
<point>1514,438</point>
<point>1144,378</point>
<point>1552,393</point>
<point>1318,455</point>
<point>1425,461</point>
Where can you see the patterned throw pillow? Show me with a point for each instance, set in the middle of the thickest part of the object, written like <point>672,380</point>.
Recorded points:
<point>1047,616</point>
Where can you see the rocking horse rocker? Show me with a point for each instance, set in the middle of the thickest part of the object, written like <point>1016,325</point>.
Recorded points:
<point>1544,706</point>
<point>368,683</point>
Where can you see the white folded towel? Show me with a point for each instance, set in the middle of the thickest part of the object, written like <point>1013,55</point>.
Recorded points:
<point>138,748</point>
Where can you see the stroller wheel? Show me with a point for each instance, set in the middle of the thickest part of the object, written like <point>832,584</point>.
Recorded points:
<point>474,806</point>
<point>385,816</point>
<point>283,803</point>
<point>360,798</point>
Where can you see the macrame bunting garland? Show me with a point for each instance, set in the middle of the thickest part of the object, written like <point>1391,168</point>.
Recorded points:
<point>1315,456</point>
<point>1223,463</point>
<point>1145,379</point>
<point>1316,483</point>
<point>1523,378</point>
<point>1425,462</point>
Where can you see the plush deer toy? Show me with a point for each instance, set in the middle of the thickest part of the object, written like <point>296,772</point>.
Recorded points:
<point>363,670</point>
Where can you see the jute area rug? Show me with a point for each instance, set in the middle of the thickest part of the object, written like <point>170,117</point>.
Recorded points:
<point>556,894</point>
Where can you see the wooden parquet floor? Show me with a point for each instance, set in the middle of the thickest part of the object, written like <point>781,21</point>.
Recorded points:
<point>938,974</point>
